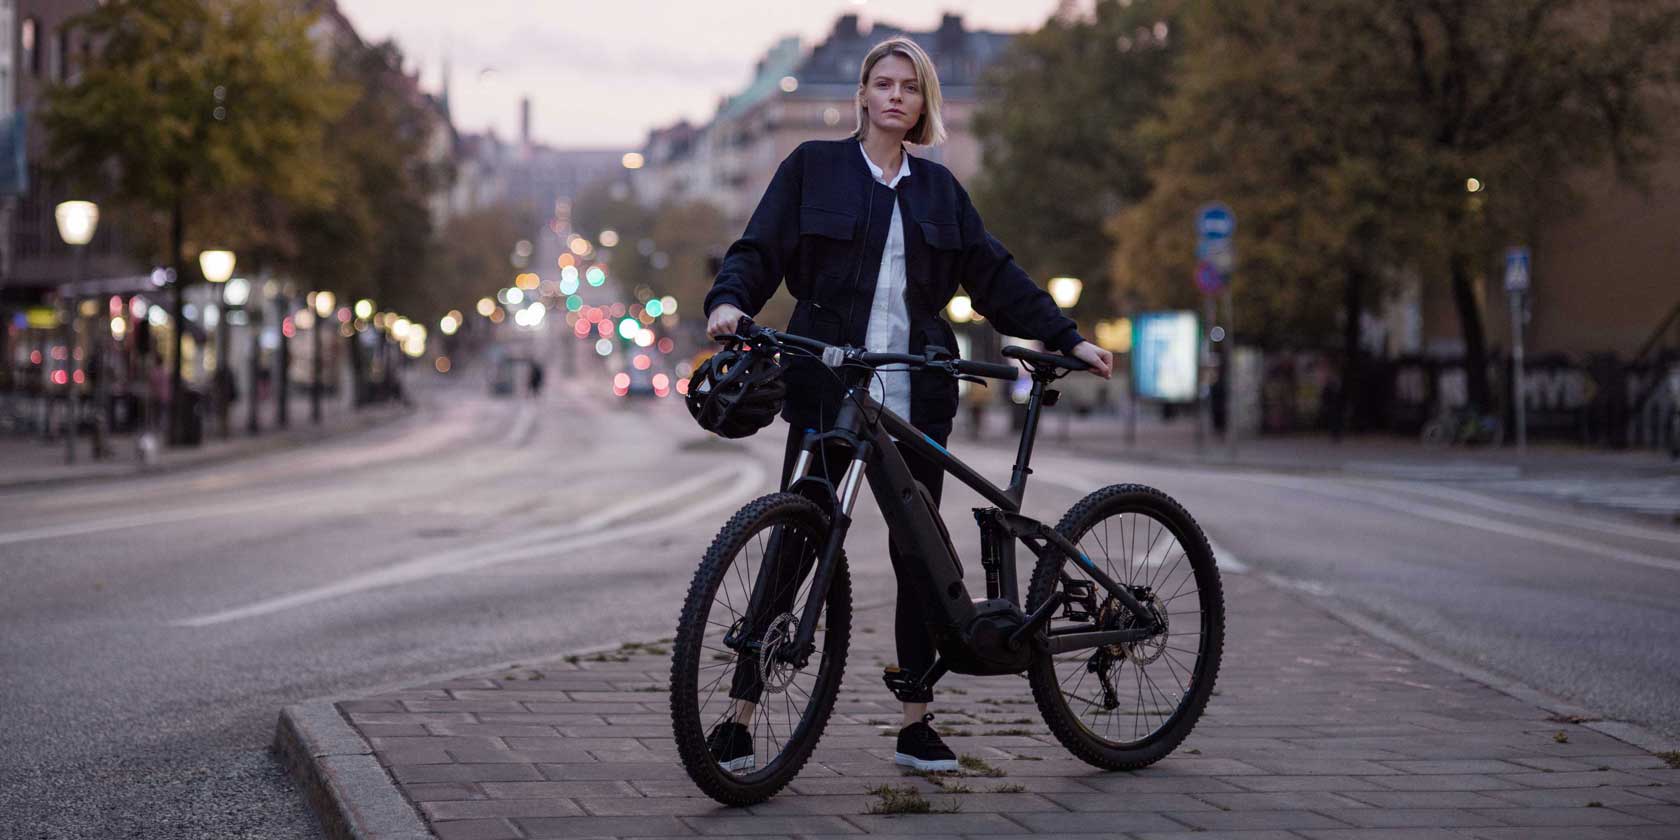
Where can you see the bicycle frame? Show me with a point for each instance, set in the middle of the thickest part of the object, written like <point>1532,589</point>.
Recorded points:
<point>868,430</point>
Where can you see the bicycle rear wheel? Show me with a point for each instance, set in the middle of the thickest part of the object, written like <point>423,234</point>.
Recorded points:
<point>1126,706</point>
<point>724,657</point>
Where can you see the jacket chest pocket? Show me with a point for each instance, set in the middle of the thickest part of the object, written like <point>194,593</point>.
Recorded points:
<point>826,223</point>
<point>934,268</point>
<point>826,252</point>
<point>941,236</point>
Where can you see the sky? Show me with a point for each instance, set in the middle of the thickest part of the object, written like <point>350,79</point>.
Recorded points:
<point>601,73</point>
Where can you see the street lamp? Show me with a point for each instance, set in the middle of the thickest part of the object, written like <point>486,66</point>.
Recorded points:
<point>961,309</point>
<point>77,221</point>
<point>1065,291</point>
<point>325,303</point>
<point>216,264</point>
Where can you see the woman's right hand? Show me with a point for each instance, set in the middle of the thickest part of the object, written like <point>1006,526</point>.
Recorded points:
<point>724,320</point>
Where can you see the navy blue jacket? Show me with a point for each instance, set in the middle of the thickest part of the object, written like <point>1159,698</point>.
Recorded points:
<point>822,226</point>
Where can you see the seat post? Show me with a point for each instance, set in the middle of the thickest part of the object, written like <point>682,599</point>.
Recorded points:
<point>1029,433</point>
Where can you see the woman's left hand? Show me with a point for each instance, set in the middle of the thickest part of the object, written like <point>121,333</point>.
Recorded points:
<point>1100,360</point>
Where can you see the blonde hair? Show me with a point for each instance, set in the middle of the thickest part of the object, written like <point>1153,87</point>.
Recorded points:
<point>930,127</point>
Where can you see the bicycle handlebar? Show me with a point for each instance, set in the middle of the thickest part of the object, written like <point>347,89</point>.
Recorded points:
<point>748,331</point>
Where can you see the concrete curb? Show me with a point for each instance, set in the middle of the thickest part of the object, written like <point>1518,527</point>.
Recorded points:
<point>349,791</point>
<point>354,797</point>
<point>343,781</point>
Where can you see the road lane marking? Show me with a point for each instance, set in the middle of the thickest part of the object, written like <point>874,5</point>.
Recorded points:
<point>191,511</point>
<point>116,523</point>
<point>1517,509</point>
<point>521,426</point>
<point>590,531</point>
<point>1453,517</point>
<point>309,499</point>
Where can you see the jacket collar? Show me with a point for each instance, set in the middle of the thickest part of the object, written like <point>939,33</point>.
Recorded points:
<point>877,173</point>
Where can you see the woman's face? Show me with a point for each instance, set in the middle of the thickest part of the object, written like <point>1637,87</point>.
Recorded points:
<point>892,96</point>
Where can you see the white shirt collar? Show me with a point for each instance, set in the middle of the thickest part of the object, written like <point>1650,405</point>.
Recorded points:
<point>903,166</point>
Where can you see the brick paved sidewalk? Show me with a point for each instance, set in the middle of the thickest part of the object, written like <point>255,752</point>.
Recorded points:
<point>1317,731</point>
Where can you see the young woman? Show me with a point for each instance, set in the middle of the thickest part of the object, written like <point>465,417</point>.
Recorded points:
<point>873,243</point>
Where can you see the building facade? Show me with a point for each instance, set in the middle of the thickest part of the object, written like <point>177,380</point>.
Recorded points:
<point>796,95</point>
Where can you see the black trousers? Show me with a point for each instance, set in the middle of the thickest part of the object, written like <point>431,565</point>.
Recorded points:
<point>915,644</point>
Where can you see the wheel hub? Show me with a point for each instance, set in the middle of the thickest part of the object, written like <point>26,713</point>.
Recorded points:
<point>1114,615</point>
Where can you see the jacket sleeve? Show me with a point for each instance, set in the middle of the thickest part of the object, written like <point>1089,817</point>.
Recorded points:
<point>753,267</point>
<point>1002,291</point>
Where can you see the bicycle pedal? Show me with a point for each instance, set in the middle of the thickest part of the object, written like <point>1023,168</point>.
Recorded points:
<point>904,686</point>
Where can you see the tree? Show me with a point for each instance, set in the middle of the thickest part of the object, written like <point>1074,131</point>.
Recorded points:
<point>1281,137</point>
<point>688,233</point>
<point>1059,153</point>
<point>185,107</point>
<point>1345,131</point>
<point>470,262</point>
<point>1520,95</point>
<point>375,238</point>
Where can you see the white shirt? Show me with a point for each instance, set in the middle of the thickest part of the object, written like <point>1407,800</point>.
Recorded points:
<point>889,317</point>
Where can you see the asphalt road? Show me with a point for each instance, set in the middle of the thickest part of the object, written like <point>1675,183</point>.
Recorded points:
<point>150,630</point>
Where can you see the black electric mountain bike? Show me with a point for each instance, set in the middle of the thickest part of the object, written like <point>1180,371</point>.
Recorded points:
<point>1119,637</point>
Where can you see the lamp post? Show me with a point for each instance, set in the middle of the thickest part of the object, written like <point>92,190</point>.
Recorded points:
<point>77,221</point>
<point>216,264</point>
<point>235,293</point>
<point>1065,292</point>
<point>255,315</point>
<point>361,368</point>
<point>325,303</point>
<point>283,359</point>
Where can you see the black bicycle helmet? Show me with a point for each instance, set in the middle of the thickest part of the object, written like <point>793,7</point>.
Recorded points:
<point>736,392</point>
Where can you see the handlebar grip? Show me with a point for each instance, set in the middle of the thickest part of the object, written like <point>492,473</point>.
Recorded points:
<point>988,370</point>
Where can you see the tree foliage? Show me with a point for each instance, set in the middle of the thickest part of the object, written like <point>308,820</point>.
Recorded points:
<point>375,237</point>
<point>1344,133</point>
<point>1057,124</point>
<point>469,261</point>
<point>188,108</point>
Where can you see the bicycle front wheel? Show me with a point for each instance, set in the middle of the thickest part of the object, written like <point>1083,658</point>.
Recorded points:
<point>746,719</point>
<point>1125,706</point>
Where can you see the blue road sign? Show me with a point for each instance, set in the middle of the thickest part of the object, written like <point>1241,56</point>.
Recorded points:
<point>1516,269</point>
<point>1215,227</point>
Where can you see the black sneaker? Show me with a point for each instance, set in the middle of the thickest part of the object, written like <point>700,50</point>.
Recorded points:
<point>731,744</point>
<point>919,747</point>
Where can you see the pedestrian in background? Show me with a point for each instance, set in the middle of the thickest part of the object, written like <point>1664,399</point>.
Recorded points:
<point>535,378</point>
<point>873,243</point>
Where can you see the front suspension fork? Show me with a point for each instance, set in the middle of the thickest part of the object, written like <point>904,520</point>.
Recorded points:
<point>828,559</point>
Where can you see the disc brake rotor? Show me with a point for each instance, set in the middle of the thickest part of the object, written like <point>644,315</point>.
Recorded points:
<point>773,671</point>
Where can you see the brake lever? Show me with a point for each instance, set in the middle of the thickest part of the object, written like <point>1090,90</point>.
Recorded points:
<point>975,379</point>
